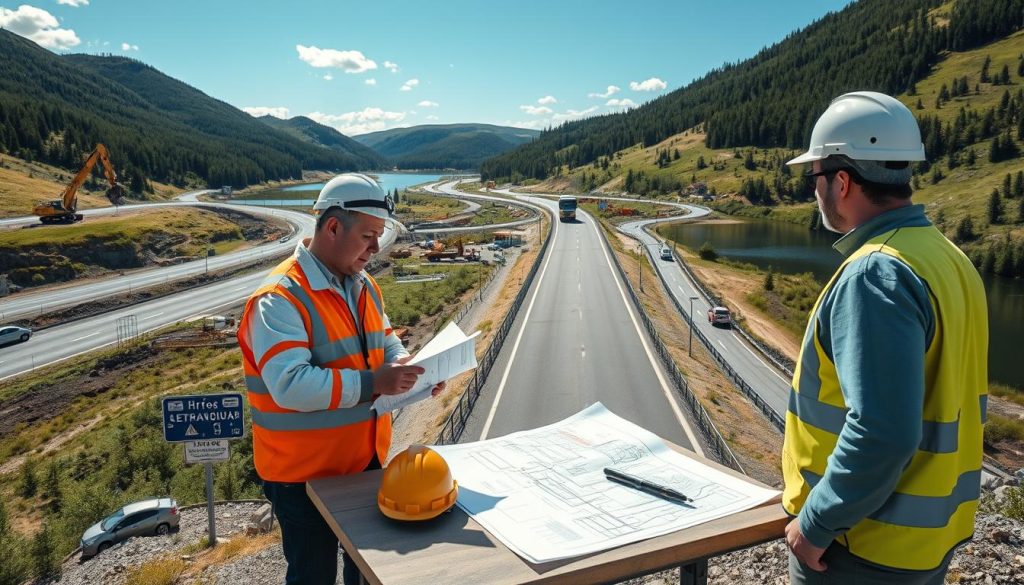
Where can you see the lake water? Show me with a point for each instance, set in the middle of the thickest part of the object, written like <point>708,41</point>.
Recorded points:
<point>389,181</point>
<point>794,249</point>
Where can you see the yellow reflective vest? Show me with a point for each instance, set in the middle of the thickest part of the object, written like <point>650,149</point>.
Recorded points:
<point>933,506</point>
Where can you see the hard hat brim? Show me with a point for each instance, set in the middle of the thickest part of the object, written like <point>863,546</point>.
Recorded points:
<point>427,515</point>
<point>804,158</point>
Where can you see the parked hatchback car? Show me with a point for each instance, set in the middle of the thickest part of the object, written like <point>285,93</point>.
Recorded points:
<point>156,516</point>
<point>13,333</point>
<point>719,316</point>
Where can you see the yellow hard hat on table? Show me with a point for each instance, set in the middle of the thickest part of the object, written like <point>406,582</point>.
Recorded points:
<point>417,485</point>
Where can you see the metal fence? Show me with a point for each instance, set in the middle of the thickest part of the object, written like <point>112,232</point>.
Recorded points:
<point>720,450</point>
<point>456,423</point>
<point>733,375</point>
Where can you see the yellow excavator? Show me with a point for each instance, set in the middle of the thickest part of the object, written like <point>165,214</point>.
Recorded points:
<point>64,210</point>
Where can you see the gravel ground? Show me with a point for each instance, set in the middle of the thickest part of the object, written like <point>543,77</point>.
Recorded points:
<point>111,566</point>
<point>995,556</point>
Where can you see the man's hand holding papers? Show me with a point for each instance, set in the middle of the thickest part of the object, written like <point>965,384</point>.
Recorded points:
<point>447,355</point>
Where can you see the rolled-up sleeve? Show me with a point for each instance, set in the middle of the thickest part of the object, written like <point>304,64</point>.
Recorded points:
<point>280,346</point>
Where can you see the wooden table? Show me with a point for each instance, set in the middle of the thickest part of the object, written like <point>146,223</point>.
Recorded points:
<point>454,549</point>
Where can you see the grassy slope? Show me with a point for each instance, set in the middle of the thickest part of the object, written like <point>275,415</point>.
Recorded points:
<point>134,227</point>
<point>23,184</point>
<point>963,191</point>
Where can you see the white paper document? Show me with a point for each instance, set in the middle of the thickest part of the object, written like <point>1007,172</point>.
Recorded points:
<point>447,355</point>
<point>544,495</point>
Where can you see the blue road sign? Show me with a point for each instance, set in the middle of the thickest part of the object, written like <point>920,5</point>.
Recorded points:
<point>210,416</point>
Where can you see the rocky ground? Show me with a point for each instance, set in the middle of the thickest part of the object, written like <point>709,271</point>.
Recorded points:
<point>995,556</point>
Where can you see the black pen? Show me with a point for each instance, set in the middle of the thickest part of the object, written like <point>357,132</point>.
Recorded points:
<point>645,486</point>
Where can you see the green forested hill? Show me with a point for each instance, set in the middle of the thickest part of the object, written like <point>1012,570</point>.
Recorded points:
<point>460,146</point>
<point>968,98</point>
<point>772,99</point>
<point>56,108</point>
<point>307,130</point>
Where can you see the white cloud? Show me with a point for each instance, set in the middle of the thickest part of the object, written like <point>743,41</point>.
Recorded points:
<point>328,77</point>
<point>433,117</point>
<point>349,61</point>
<point>39,26</point>
<point>127,47</point>
<point>257,111</point>
<point>392,67</point>
<point>573,114</point>
<point>547,100</point>
<point>409,85</point>
<point>621,103</point>
<point>612,90</point>
<point>75,3</point>
<point>370,81</point>
<point>428,104</point>
<point>652,84</point>
<point>531,124</point>
<point>367,120</point>
<point>537,110</point>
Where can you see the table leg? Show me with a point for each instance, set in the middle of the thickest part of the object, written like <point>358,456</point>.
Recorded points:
<point>694,573</point>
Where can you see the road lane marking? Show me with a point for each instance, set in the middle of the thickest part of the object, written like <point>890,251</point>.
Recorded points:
<point>720,343</point>
<point>650,355</point>
<point>85,336</point>
<point>519,339</point>
<point>758,358</point>
<point>151,316</point>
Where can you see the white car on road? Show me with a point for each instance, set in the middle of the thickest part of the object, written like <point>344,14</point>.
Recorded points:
<point>13,333</point>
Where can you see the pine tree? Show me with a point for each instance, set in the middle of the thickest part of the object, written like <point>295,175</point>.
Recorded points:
<point>1018,184</point>
<point>1007,192</point>
<point>51,484</point>
<point>29,484</point>
<point>44,558</point>
<point>984,70</point>
<point>995,207</point>
<point>965,231</point>
<point>769,280</point>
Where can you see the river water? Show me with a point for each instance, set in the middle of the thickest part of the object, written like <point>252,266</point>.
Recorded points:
<point>794,249</point>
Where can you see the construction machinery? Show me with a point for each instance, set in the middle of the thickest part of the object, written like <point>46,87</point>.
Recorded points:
<point>440,253</point>
<point>64,210</point>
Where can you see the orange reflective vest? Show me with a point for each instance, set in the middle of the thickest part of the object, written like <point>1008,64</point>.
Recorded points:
<point>293,446</point>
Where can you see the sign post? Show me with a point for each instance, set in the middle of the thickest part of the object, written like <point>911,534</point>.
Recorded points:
<point>205,424</point>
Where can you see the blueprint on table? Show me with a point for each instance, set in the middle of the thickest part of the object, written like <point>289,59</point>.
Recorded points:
<point>544,495</point>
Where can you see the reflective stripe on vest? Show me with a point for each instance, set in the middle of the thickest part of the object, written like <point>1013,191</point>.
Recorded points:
<point>932,507</point>
<point>292,446</point>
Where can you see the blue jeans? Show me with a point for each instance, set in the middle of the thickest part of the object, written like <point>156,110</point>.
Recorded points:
<point>309,544</point>
<point>847,569</point>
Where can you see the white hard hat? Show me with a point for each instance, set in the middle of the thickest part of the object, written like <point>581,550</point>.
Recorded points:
<point>865,126</point>
<point>355,192</point>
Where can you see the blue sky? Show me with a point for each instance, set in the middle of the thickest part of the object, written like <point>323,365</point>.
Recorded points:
<point>367,66</point>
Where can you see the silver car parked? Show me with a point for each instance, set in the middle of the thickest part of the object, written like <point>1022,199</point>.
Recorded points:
<point>13,333</point>
<point>157,516</point>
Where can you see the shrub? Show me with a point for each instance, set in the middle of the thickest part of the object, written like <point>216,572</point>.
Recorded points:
<point>158,572</point>
<point>1013,505</point>
<point>707,252</point>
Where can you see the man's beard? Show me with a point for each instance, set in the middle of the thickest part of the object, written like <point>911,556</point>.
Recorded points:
<point>829,214</point>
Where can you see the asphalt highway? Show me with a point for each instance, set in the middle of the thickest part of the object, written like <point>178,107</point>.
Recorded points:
<point>577,340</point>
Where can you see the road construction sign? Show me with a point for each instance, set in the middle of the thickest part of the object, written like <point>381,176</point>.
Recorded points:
<point>203,417</point>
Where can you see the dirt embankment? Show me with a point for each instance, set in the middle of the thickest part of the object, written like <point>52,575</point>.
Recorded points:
<point>42,255</point>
